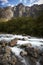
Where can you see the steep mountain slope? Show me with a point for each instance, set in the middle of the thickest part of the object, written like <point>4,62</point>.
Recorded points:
<point>6,12</point>
<point>36,10</point>
<point>21,10</point>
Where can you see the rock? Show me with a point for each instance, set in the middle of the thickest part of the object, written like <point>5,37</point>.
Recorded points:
<point>31,51</point>
<point>41,61</point>
<point>26,45</point>
<point>3,43</point>
<point>21,11</point>
<point>32,55</point>
<point>33,60</point>
<point>6,13</point>
<point>13,42</point>
<point>6,56</point>
<point>23,53</point>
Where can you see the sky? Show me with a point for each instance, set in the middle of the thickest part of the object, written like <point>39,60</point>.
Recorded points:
<point>12,3</point>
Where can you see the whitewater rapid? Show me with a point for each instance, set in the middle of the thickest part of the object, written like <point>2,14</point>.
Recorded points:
<point>22,40</point>
<point>27,39</point>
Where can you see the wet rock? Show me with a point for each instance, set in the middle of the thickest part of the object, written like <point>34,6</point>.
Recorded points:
<point>19,63</point>
<point>23,39</point>
<point>23,53</point>
<point>13,42</point>
<point>41,61</point>
<point>41,56</point>
<point>33,61</point>
<point>31,51</point>
<point>31,55</point>
<point>6,56</point>
<point>26,45</point>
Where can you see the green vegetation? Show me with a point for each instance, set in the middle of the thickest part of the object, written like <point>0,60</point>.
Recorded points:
<point>23,25</point>
<point>3,20</point>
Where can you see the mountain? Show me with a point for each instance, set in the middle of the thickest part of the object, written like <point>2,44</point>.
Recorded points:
<point>6,12</point>
<point>36,10</point>
<point>21,11</point>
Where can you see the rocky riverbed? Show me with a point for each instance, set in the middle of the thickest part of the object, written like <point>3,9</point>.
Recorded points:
<point>20,50</point>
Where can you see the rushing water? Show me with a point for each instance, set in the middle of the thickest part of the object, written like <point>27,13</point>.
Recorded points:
<point>27,39</point>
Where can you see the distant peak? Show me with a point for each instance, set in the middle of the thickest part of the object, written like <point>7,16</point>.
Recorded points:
<point>20,4</point>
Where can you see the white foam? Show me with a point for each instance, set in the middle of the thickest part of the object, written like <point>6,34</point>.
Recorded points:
<point>32,40</point>
<point>16,50</point>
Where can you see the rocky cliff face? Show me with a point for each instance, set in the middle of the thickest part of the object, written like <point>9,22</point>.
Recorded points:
<point>6,12</point>
<point>36,10</point>
<point>21,10</point>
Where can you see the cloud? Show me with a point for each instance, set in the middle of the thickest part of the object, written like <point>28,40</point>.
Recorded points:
<point>28,1</point>
<point>10,5</point>
<point>39,2</point>
<point>36,1</point>
<point>32,2</point>
<point>3,2</point>
<point>25,1</point>
<point>20,0</point>
<point>6,3</point>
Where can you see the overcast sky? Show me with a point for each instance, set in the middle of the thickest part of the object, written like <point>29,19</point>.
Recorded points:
<point>15,2</point>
